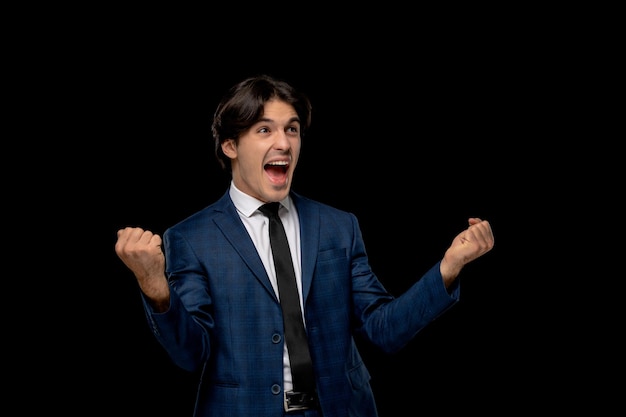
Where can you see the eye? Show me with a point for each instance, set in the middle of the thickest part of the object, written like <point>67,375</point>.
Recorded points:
<point>263,130</point>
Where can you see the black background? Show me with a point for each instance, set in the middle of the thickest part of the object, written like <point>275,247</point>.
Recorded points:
<point>422,133</point>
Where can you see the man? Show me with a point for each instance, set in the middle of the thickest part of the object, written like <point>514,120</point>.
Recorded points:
<point>210,287</point>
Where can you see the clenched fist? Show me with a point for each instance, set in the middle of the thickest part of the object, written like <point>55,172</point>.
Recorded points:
<point>140,250</point>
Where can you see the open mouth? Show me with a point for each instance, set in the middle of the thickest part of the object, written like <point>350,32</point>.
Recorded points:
<point>277,170</point>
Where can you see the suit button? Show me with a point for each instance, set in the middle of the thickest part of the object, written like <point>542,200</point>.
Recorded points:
<point>275,389</point>
<point>276,338</point>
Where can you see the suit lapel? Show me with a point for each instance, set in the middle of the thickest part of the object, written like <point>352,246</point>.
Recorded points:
<point>309,239</point>
<point>228,221</point>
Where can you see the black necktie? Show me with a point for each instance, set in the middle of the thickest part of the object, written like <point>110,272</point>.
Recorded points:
<point>295,334</point>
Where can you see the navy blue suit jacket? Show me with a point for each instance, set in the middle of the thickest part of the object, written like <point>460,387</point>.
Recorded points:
<point>225,319</point>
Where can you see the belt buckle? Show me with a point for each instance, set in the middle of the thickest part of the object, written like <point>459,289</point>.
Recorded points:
<point>297,401</point>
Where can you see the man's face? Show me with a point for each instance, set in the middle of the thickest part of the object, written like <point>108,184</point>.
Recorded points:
<point>266,155</point>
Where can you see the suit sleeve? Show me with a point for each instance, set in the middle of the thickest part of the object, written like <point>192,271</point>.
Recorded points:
<point>391,322</point>
<point>183,329</point>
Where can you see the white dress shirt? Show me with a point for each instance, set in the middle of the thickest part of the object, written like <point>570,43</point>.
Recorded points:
<point>257,225</point>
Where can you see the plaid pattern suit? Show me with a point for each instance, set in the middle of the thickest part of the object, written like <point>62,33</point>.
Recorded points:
<point>225,319</point>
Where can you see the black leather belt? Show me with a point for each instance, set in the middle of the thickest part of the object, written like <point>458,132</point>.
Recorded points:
<point>298,401</point>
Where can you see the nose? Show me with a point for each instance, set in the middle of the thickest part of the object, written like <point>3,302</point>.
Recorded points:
<point>282,141</point>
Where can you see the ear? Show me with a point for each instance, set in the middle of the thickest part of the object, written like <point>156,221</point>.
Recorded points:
<point>229,148</point>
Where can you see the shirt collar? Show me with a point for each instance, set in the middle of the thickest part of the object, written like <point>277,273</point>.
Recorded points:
<point>248,205</point>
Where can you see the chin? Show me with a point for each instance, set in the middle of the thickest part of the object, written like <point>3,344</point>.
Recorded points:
<point>279,194</point>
